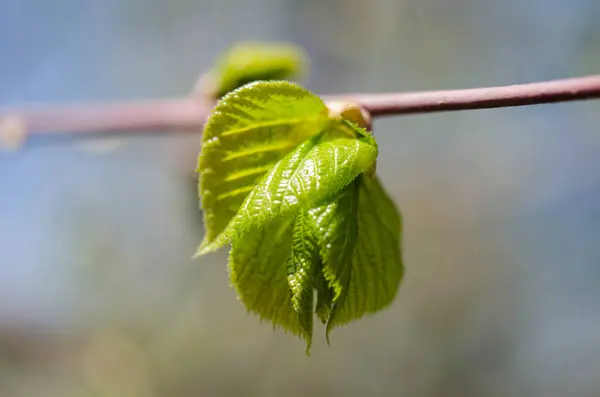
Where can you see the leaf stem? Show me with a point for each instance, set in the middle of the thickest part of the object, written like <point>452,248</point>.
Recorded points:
<point>187,114</point>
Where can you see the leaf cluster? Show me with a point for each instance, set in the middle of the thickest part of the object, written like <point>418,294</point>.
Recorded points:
<point>292,189</point>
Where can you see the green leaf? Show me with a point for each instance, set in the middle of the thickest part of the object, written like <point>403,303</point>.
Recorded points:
<point>337,226</point>
<point>258,272</point>
<point>309,176</point>
<point>302,266</point>
<point>337,233</point>
<point>377,267</point>
<point>249,131</point>
<point>248,62</point>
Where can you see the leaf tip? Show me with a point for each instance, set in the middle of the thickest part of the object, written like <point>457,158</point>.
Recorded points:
<point>327,332</point>
<point>208,247</point>
<point>308,345</point>
<point>200,251</point>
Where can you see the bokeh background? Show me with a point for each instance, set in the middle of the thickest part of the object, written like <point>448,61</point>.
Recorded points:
<point>99,297</point>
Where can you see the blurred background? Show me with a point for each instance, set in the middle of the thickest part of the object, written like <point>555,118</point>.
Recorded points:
<point>99,296</point>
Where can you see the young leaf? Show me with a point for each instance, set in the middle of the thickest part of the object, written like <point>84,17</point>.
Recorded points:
<point>338,230</point>
<point>309,176</point>
<point>249,131</point>
<point>302,266</point>
<point>377,267</point>
<point>258,272</point>
<point>248,62</point>
<point>337,226</point>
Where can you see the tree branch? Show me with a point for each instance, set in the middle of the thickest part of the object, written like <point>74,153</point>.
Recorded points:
<point>188,114</point>
<point>573,89</point>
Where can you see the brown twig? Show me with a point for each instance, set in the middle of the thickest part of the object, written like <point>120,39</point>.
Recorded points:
<point>565,90</point>
<point>187,114</point>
